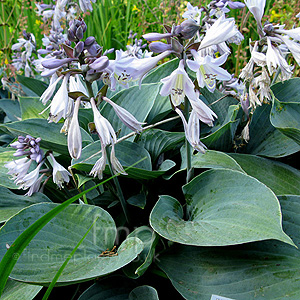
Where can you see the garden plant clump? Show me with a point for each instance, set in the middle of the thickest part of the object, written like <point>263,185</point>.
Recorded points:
<point>160,165</point>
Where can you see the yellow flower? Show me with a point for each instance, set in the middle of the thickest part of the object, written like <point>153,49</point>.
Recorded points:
<point>135,9</point>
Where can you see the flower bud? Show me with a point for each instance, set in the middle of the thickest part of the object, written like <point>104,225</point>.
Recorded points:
<point>159,47</point>
<point>189,29</point>
<point>79,33</point>
<point>78,49</point>
<point>53,63</point>
<point>89,41</point>
<point>154,36</point>
<point>100,63</point>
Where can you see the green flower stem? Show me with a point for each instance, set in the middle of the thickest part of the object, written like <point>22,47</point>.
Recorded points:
<point>189,169</point>
<point>118,187</point>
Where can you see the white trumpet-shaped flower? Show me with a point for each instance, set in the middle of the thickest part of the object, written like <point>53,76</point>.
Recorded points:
<point>192,130</point>
<point>178,85</point>
<point>203,112</point>
<point>50,89</point>
<point>29,179</point>
<point>74,134</point>
<point>100,164</point>
<point>75,85</point>
<point>274,60</point>
<point>125,116</point>
<point>35,187</point>
<point>104,129</point>
<point>293,47</point>
<point>18,168</point>
<point>115,163</point>
<point>257,8</point>
<point>60,174</point>
<point>59,104</point>
<point>208,69</point>
<point>127,69</point>
<point>222,30</point>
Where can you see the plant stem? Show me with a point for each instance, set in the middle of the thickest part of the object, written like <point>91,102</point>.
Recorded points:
<point>189,169</point>
<point>118,187</point>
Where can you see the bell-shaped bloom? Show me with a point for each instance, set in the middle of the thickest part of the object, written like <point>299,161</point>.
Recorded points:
<point>50,89</point>
<point>29,179</point>
<point>222,30</point>
<point>178,85</point>
<point>203,112</point>
<point>274,60</point>
<point>35,187</point>
<point>127,69</point>
<point>115,163</point>
<point>18,168</point>
<point>60,174</point>
<point>293,47</point>
<point>192,130</point>
<point>59,104</point>
<point>257,8</point>
<point>208,69</point>
<point>75,85</point>
<point>192,12</point>
<point>125,116</point>
<point>74,134</point>
<point>100,164</point>
<point>257,58</point>
<point>104,129</point>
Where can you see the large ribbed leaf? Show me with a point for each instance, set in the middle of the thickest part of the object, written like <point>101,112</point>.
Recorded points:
<point>158,141</point>
<point>222,137</point>
<point>48,250</point>
<point>50,134</point>
<point>31,107</point>
<point>261,270</point>
<point>19,290</point>
<point>138,101</point>
<point>265,139</point>
<point>11,203</point>
<point>281,178</point>
<point>224,207</point>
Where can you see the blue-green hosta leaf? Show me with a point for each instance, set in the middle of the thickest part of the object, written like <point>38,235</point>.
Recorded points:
<point>261,270</point>
<point>144,292</point>
<point>135,100</point>
<point>224,207</point>
<point>118,288</point>
<point>45,254</point>
<point>219,107</point>
<point>31,107</point>
<point>50,134</point>
<point>158,141</point>
<point>33,87</point>
<point>127,152</point>
<point>285,116</point>
<point>162,71</point>
<point>139,266</point>
<point>265,139</point>
<point>5,180</point>
<point>210,159</point>
<point>11,203</point>
<point>19,290</point>
<point>288,90</point>
<point>280,178</point>
<point>222,138</point>
<point>11,109</point>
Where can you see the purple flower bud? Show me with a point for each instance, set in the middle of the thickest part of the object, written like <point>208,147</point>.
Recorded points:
<point>78,49</point>
<point>89,41</point>
<point>43,51</point>
<point>235,5</point>
<point>71,35</point>
<point>20,152</point>
<point>21,138</point>
<point>189,29</point>
<point>53,63</point>
<point>39,157</point>
<point>49,48</point>
<point>100,63</point>
<point>154,36</point>
<point>94,49</point>
<point>32,150</point>
<point>159,47</point>
<point>79,33</point>
<point>37,140</point>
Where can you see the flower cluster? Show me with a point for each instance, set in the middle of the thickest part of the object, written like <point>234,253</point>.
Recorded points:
<point>200,42</point>
<point>29,147</point>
